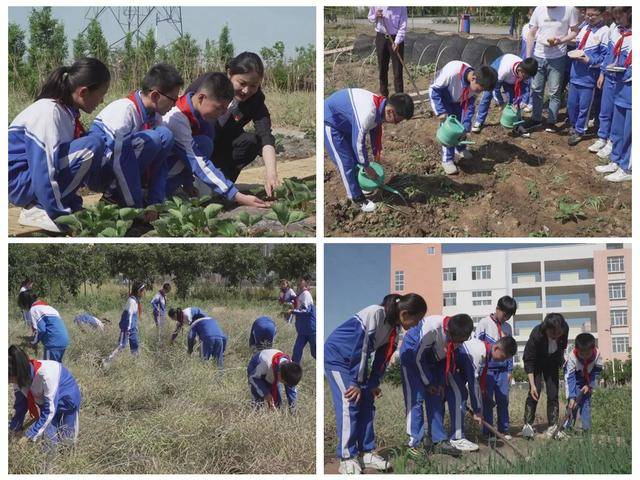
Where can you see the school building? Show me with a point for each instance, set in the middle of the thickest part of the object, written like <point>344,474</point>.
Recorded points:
<point>589,284</point>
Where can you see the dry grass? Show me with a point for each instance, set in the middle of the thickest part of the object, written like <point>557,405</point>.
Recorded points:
<point>167,413</point>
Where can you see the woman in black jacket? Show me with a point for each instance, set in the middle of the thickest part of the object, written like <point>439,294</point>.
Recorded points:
<point>543,357</point>
<point>234,148</point>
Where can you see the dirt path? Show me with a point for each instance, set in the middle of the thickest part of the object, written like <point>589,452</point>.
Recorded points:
<point>511,188</point>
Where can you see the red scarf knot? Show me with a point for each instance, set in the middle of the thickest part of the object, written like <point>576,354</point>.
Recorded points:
<point>391,347</point>
<point>464,97</point>
<point>377,147</point>
<point>148,121</point>
<point>183,106</point>
<point>450,359</point>
<point>34,410</point>
<point>275,367</point>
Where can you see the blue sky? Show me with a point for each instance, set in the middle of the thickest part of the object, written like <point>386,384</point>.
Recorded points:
<point>357,275</point>
<point>251,27</point>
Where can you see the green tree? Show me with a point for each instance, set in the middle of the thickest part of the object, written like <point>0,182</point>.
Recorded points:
<point>237,262</point>
<point>146,51</point>
<point>225,45</point>
<point>184,54</point>
<point>292,261</point>
<point>47,43</point>
<point>96,43</point>
<point>80,46</point>
<point>185,263</point>
<point>211,56</point>
<point>17,50</point>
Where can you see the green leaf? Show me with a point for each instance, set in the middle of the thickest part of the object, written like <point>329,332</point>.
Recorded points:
<point>296,216</point>
<point>176,213</point>
<point>212,210</point>
<point>128,213</point>
<point>69,221</point>
<point>227,228</point>
<point>108,232</point>
<point>282,212</point>
<point>122,226</point>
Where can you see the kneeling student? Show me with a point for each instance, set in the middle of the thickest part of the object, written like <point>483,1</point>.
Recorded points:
<point>267,369</point>
<point>47,326</point>
<point>88,319</point>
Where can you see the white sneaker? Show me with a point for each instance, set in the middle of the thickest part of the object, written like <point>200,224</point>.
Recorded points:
<point>368,206</point>
<point>449,168</point>
<point>373,460</point>
<point>527,431</point>
<point>37,217</point>
<point>464,154</point>
<point>618,176</point>
<point>560,435</point>
<point>605,151</point>
<point>464,445</point>
<point>476,128</point>
<point>608,168</point>
<point>350,466</point>
<point>597,145</point>
<point>551,431</point>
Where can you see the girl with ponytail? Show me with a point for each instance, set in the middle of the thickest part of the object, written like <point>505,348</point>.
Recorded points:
<point>49,156</point>
<point>372,332</point>
<point>129,322</point>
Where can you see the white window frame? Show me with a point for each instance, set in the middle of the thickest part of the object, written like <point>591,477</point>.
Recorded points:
<point>481,272</point>
<point>449,270</point>
<point>615,262</point>
<point>398,280</point>
<point>622,288</point>
<point>619,320</point>
<point>483,298</point>
<point>615,345</point>
<point>449,296</point>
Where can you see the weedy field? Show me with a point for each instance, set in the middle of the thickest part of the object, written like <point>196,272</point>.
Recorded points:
<point>166,412</point>
<point>607,450</point>
<point>514,186</point>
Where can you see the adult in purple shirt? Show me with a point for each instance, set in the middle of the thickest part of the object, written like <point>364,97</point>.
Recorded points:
<point>391,26</point>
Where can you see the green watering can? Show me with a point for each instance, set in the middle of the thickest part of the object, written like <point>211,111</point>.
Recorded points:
<point>510,117</point>
<point>369,185</point>
<point>451,132</point>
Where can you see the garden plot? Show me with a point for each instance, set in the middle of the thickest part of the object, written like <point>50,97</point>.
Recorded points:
<point>537,186</point>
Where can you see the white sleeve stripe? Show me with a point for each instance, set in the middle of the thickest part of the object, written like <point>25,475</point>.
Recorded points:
<point>119,173</point>
<point>51,397</point>
<point>84,155</point>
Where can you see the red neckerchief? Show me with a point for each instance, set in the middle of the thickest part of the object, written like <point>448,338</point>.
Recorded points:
<point>31,401</point>
<point>78,127</point>
<point>391,347</point>
<point>498,324</point>
<point>39,302</point>
<point>583,40</point>
<point>183,106</point>
<point>464,97</point>
<point>627,62</point>
<point>450,362</point>
<point>147,120</point>
<point>517,89</point>
<point>483,376</point>
<point>275,366</point>
<point>377,101</point>
<point>618,46</point>
<point>585,363</point>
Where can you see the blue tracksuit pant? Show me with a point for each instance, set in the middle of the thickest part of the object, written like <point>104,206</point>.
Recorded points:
<point>201,144</point>
<point>354,422</point>
<point>579,103</point>
<point>448,153</point>
<point>339,148</point>
<point>298,346</point>
<point>213,348</point>
<point>620,136</point>
<point>584,409</point>
<point>456,395</point>
<point>606,106</point>
<point>54,354</point>
<point>498,392</point>
<point>485,101</point>
<point>415,397</point>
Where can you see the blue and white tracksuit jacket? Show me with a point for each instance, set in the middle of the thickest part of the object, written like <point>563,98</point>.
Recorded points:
<point>159,305</point>
<point>87,319</point>
<point>288,296</point>
<point>347,351</point>
<point>608,87</point>
<point>129,325</point>
<point>57,397</point>
<point>191,154</point>
<point>261,378</point>
<point>350,115</point>
<point>620,134</point>
<point>47,164</point>
<point>446,94</point>
<point>263,333</point>
<point>498,373</point>
<point>212,338</point>
<point>506,66</point>
<point>575,380</point>
<point>50,330</point>
<point>305,318</point>
<point>583,77</point>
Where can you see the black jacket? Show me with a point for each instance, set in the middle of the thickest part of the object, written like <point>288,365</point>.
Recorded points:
<point>536,352</point>
<point>254,109</point>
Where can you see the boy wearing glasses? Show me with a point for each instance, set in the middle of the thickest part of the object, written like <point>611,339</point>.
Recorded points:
<point>136,142</point>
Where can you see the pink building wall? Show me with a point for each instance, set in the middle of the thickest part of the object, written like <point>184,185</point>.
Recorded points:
<point>422,272</point>
<point>604,305</point>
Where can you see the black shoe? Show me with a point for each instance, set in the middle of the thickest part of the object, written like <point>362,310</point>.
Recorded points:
<point>574,139</point>
<point>445,448</point>
<point>553,128</point>
<point>530,124</point>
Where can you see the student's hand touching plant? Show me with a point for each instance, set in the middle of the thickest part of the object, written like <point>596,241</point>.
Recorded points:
<point>376,392</point>
<point>268,399</point>
<point>353,394</point>
<point>250,201</point>
<point>271,183</point>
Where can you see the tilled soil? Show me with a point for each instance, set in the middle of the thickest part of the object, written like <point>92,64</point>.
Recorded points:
<point>511,187</point>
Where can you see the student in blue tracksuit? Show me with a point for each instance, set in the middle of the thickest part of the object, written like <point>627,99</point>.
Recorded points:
<point>263,333</point>
<point>48,392</point>
<point>526,97</point>
<point>287,296</point>
<point>136,142</point>
<point>354,384</point>
<point>182,317</point>
<point>427,356</point>
<point>593,39</point>
<point>514,74</point>
<point>193,147</point>
<point>305,318</point>
<point>606,84</point>
<point>581,371</point>
<point>129,322</point>
<point>350,115</point>
<point>213,341</point>
<point>491,329</point>
<point>453,93</point>
<point>50,157</point>
<point>619,167</point>
<point>88,319</point>
<point>268,369</point>
<point>159,305</point>
<point>47,326</point>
